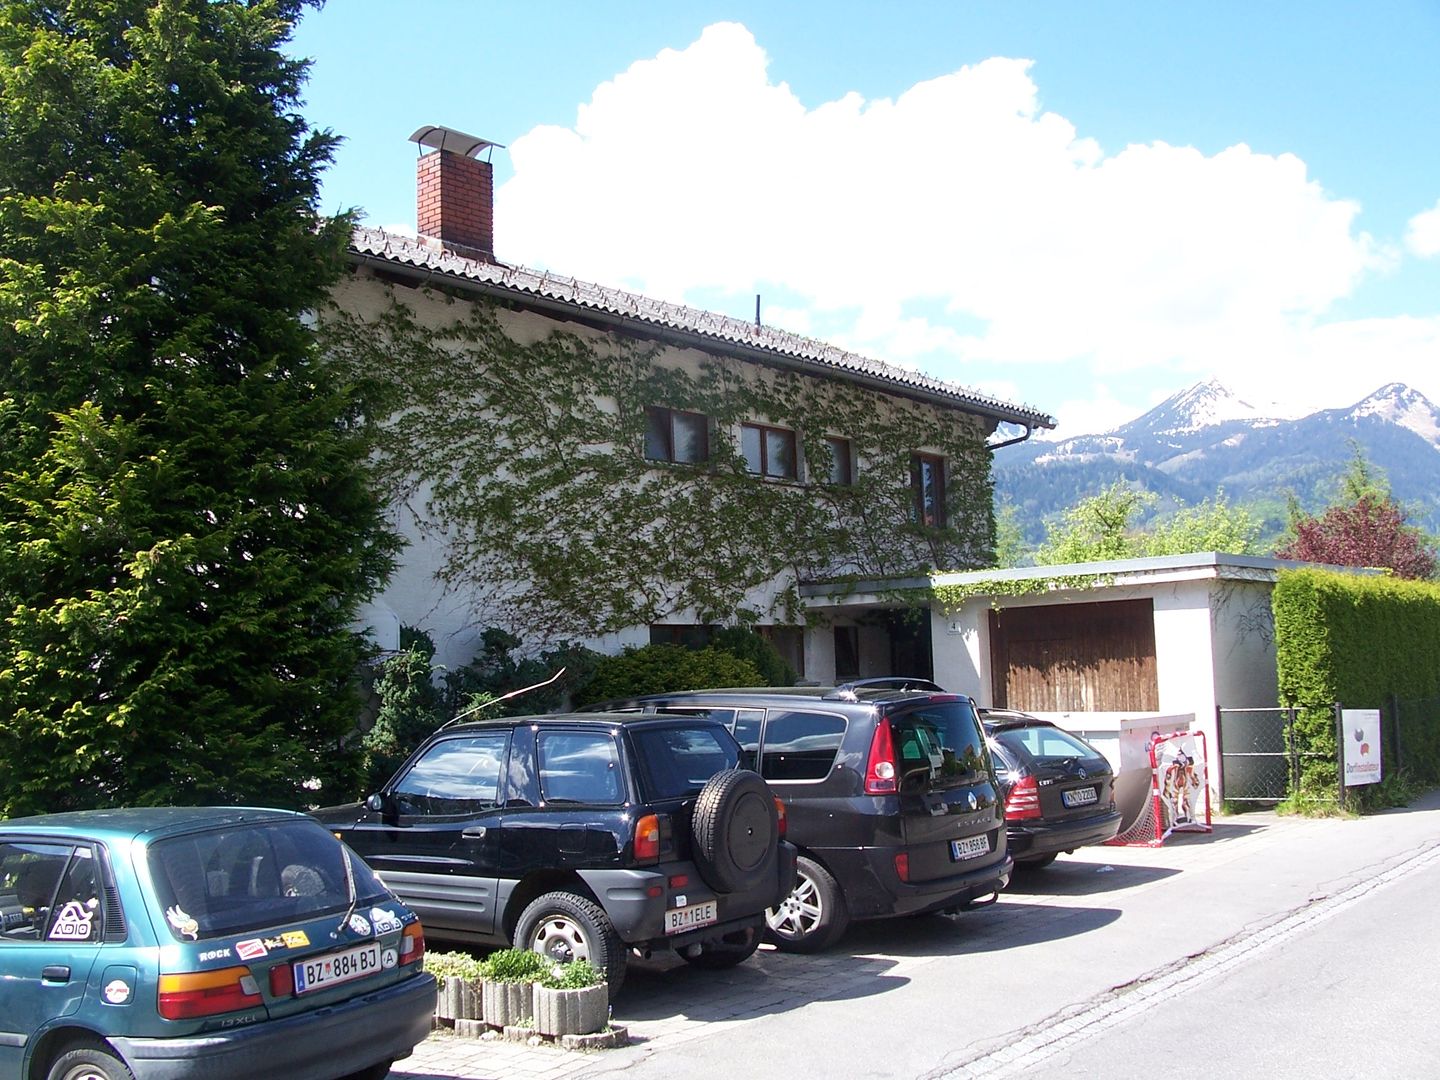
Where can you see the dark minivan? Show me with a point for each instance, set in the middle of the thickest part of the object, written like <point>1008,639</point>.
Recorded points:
<point>890,793</point>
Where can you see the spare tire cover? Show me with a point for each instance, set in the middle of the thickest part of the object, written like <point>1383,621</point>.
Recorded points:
<point>735,831</point>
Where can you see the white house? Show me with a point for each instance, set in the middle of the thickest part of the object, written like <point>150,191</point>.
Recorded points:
<point>574,462</point>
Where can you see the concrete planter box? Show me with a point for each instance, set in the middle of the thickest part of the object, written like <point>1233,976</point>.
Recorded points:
<point>507,1004</point>
<point>571,1012</point>
<point>458,999</point>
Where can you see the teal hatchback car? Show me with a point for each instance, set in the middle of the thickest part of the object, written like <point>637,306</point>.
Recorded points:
<point>201,942</point>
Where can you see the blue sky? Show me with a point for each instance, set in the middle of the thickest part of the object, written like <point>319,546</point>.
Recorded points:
<point>1079,206</point>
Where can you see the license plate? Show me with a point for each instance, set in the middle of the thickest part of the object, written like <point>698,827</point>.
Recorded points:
<point>333,968</point>
<point>972,847</point>
<point>1082,796</point>
<point>680,919</point>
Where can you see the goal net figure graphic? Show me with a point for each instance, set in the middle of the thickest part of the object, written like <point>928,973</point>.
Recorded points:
<point>1179,798</point>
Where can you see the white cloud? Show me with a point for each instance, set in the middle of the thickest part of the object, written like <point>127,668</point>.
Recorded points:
<point>958,226</point>
<point>1423,235</point>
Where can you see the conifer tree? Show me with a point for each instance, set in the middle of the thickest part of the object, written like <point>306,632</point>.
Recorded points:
<point>186,525</point>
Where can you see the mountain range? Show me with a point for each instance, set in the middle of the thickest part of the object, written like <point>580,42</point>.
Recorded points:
<point>1206,440</point>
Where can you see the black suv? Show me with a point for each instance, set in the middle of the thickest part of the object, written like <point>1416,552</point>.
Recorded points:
<point>892,797</point>
<point>579,836</point>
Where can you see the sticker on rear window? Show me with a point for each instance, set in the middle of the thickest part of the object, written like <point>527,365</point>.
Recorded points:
<point>384,921</point>
<point>182,922</point>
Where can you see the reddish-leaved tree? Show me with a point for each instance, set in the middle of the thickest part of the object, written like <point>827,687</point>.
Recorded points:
<point>1368,532</point>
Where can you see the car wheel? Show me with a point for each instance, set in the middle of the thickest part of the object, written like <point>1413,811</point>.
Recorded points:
<point>813,916</point>
<point>1036,862</point>
<point>565,926</point>
<point>733,949</point>
<point>92,1062</point>
<point>735,828</point>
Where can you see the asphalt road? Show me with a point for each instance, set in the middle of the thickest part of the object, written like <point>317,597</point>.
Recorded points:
<point>1271,947</point>
<point>1275,947</point>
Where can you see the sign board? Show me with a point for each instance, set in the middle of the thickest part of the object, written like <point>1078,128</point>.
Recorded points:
<point>1360,742</point>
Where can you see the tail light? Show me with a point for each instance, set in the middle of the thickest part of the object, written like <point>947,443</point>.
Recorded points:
<point>902,866</point>
<point>647,839</point>
<point>189,994</point>
<point>780,819</point>
<point>1023,800</point>
<point>880,769</point>
<point>412,943</point>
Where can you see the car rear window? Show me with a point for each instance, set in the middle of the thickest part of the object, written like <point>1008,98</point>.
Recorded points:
<point>676,760</point>
<point>252,876</point>
<point>1044,745</point>
<point>943,738</point>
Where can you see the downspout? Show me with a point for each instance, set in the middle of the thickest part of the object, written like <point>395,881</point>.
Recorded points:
<point>1029,431</point>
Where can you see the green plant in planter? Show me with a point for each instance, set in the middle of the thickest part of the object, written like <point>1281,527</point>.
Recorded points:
<point>514,965</point>
<point>460,965</point>
<point>576,975</point>
<point>572,999</point>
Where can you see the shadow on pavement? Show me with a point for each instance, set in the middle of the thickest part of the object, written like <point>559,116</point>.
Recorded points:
<point>1062,878</point>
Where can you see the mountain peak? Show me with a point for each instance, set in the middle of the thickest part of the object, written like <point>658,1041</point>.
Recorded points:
<point>1203,405</point>
<point>1403,406</point>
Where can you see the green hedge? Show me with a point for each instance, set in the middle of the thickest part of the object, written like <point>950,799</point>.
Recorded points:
<point>658,669</point>
<point>1361,641</point>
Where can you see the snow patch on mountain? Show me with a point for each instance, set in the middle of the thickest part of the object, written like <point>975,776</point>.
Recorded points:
<point>1398,404</point>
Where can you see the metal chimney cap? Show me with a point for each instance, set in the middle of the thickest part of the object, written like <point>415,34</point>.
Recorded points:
<point>455,142</point>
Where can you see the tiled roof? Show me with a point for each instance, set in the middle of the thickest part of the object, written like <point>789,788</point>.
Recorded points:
<point>704,326</point>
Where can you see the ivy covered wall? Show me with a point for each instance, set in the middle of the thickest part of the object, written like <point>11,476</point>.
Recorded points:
<point>513,454</point>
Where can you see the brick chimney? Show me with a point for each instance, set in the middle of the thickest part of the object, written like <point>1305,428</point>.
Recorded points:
<point>455,192</point>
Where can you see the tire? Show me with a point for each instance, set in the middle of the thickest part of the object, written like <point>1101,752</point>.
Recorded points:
<point>1036,862</point>
<point>89,1062</point>
<point>566,926</point>
<point>813,916</point>
<point>734,949</point>
<point>735,830</point>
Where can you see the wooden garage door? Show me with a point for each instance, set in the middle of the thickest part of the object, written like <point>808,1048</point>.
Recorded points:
<point>1075,658</point>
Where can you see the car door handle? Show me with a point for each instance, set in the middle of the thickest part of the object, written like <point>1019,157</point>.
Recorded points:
<point>474,832</point>
<point>55,973</point>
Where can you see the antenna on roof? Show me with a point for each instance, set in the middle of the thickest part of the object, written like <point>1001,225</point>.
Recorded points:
<point>757,309</point>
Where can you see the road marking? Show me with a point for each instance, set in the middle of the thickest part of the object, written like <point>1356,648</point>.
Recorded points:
<point>1019,1051</point>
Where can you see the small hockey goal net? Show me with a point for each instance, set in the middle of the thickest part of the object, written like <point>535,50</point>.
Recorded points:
<point>1179,797</point>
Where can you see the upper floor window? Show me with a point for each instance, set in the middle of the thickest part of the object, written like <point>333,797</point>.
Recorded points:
<point>927,482</point>
<point>672,435</point>
<point>842,461</point>
<point>769,451</point>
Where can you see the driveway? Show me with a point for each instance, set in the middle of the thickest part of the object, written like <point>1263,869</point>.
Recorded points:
<point>1070,949</point>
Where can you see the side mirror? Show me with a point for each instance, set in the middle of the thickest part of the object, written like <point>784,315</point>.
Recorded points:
<point>375,802</point>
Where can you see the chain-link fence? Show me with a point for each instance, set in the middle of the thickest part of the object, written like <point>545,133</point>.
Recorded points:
<point>1260,760</point>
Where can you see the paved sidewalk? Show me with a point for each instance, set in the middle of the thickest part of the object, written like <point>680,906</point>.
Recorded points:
<point>1179,900</point>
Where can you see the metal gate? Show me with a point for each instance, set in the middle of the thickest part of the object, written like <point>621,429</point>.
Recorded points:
<point>1258,759</point>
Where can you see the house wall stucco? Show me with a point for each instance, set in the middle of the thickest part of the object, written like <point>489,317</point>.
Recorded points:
<point>456,616</point>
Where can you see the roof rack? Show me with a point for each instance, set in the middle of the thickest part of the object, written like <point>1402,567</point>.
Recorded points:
<point>850,691</point>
